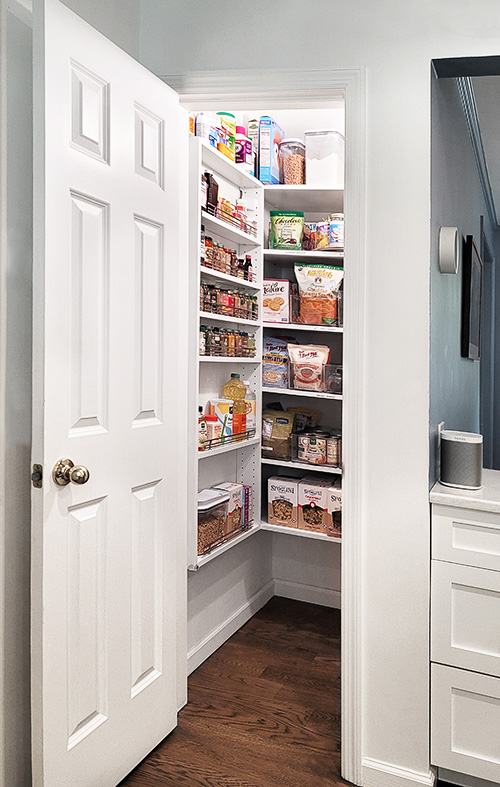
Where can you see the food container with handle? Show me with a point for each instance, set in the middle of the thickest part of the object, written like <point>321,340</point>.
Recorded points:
<point>212,516</point>
<point>292,162</point>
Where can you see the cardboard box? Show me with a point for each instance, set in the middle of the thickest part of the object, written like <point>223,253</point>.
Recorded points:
<point>276,300</point>
<point>282,498</point>
<point>234,506</point>
<point>313,504</point>
<point>270,136</point>
<point>223,409</point>
<point>333,520</point>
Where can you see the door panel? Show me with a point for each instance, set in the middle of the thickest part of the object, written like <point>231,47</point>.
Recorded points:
<point>107,278</point>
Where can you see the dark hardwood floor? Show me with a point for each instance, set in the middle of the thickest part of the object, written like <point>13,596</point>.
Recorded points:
<point>263,711</point>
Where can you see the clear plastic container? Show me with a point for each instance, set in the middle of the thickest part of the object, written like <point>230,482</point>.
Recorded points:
<point>292,162</point>
<point>324,158</point>
<point>212,516</point>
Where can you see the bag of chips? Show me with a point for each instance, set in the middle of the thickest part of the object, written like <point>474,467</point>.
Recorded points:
<point>318,293</point>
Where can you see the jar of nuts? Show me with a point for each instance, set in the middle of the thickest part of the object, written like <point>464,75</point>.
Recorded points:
<point>292,162</point>
<point>212,515</point>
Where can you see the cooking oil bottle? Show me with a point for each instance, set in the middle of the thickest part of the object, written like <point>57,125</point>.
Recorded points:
<point>236,390</point>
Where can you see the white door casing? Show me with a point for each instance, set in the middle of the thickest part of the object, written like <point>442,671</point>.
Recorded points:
<point>106,388</point>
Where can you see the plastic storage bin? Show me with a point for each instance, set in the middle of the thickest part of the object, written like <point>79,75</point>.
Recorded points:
<point>324,158</point>
<point>212,518</point>
<point>292,162</point>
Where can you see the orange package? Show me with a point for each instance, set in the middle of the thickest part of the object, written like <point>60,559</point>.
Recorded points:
<point>318,292</point>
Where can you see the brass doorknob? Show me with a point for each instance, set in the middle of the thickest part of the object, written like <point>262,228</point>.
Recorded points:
<point>65,471</point>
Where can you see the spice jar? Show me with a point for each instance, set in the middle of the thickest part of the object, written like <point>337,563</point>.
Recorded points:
<point>209,253</point>
<point>231,343</point>
<point>203,336</point>
<point>292,162</point>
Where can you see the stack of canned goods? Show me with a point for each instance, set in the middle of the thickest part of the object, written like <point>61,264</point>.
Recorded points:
<point>320,447</point>
<point>226,342</point>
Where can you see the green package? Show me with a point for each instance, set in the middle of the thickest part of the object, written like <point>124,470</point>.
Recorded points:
<point>287,227</point>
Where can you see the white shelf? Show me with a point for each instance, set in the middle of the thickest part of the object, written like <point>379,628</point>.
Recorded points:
<point>310,200</point>
<point>233,446</point>
<point>203,559</point>
<point>303,466</point>
<point>223,318</point>
<point>211,275</point>
<point>226,359</point>
<point>327,256</point>
<point>225,230</point>
<point>297,392</point>
<point>295,531</point>
<point>293,326</point>
<point>222,165</point>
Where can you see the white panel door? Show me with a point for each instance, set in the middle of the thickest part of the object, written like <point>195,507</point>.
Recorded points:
<point>107,390</point>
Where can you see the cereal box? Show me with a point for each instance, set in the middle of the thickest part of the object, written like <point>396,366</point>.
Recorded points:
<point>333,519</point>
<point>223,409</point>
<point>313,504</point>
<point>282,501</point>
<point>234,506</point>
<point>276,300</point>
<point>270,136</point>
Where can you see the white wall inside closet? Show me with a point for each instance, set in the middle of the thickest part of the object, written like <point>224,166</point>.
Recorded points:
<point>395,539</point>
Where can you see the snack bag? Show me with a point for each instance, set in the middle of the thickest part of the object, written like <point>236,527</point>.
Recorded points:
<point>275,363</point>
<point>318,293</point>
<point>308,366</point>
<point>286,229</point>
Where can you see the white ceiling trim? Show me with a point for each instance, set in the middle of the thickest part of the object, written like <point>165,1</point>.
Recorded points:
<point>468,100</point>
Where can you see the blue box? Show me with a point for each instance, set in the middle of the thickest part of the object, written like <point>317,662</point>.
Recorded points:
<point>270,136</point>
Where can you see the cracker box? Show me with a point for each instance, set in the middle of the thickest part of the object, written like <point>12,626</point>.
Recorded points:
<point>270,136</point>
<point>276,300</point>
<point>234,506</point>
<point>282,498</point>
<point>223,409</point>
<point>313,504</point>
<point>333,519</point>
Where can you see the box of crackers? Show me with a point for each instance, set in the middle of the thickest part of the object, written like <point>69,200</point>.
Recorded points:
<point>276,300</point>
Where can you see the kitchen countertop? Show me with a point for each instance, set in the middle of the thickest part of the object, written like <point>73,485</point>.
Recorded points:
<point>485,499</point>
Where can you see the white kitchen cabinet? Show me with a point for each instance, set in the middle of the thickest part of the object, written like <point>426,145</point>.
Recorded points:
<point>465,630</point>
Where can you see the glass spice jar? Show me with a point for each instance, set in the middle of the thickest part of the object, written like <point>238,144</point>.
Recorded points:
<point>231,344</point>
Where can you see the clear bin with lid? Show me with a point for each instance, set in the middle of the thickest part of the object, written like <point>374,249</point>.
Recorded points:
<point>324,158</point>
<point>212,517</point>
<point>292,162</point>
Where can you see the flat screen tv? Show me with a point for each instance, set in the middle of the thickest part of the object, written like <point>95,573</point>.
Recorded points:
<point>472,281</point>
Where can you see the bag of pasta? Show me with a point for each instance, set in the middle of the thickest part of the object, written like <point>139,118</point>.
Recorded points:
<point>318,293</point>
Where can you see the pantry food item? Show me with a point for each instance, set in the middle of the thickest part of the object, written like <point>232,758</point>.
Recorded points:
<point>313,504</point>
<point>212,515</point>
<point>235,390</point>
<point>270,136</point>
<point>251,405</point>
<point>275,362</point>
<point>253,135</point>
<point>243,149</point>
<point>308,362</point>
<point>247,505</point>
<point>333,520</point>
<point>223,409</point>
<point>334,450</point>
<point>309,236</point>
<point>324,158</point>
<point>277,427</point>
<point>305,418</point>
<point>214,430</point>
<point>292,162</point>
<point>234,519</point>
<point>286,229</point>
<point>276,300</point>
<point>318,292</point>
<point>202,430</point>
<point>322,234</point>
<point>336,237</point>
<point>312,447</point>
<point>282,500</point>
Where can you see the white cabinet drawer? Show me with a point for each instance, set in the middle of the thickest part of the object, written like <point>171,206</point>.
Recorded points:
<point>465,722</point>
<point>460,535</point>
<point>465,617</point>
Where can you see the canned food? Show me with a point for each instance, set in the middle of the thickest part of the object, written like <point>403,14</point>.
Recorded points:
<point>333,450</point>
<point>312,448</point>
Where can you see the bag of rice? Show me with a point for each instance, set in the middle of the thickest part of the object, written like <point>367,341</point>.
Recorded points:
<point>286,229</point>
<point>318,293</point>
<point>275,362</point>
<point>308,365</point>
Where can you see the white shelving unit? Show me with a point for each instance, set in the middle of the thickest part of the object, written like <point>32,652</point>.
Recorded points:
<point>239,460</point>
<point>295,531</point>
<point>294,326</point>
<point>298,392</point>
<point>302,466</point>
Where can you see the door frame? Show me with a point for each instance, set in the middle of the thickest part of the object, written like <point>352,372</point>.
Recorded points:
<point>238,89</point>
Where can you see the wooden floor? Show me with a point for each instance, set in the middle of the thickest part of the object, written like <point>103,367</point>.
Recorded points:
<point>263,711</point>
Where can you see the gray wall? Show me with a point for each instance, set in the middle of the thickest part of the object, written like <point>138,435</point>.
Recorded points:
<point>457,201</point>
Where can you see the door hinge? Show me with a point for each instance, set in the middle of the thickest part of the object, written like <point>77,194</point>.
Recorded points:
<point>37,476</point>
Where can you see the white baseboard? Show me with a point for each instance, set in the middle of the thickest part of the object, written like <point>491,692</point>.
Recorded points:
<point>219,635</point>
<point>308,593</point>
<point>382,774</point>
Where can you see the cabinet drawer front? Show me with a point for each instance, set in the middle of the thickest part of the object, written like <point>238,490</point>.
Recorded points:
<point>463,536</point>
<point>465,617</point>
<point>465,720</point>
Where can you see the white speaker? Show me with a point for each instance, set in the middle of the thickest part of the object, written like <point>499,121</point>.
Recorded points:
<point>461,459</point>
